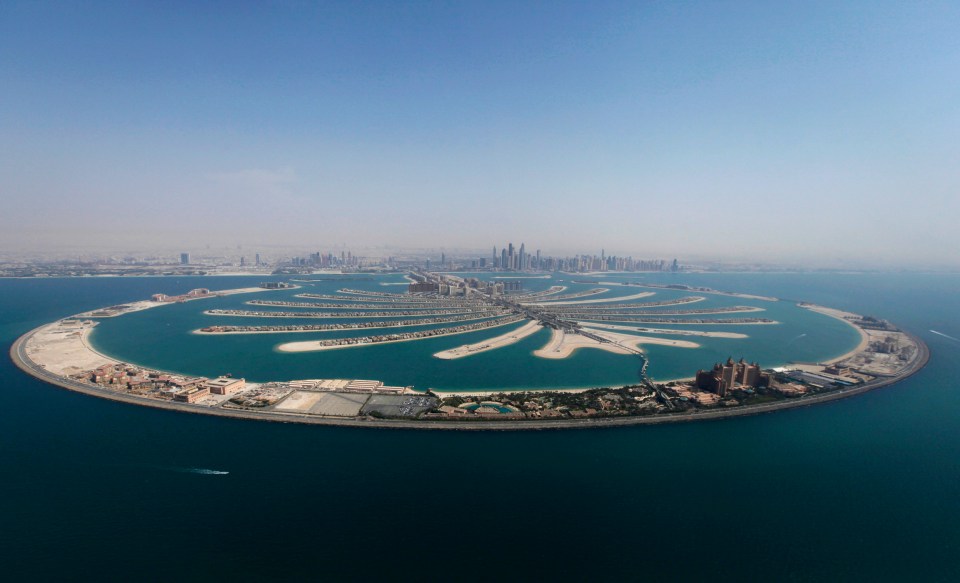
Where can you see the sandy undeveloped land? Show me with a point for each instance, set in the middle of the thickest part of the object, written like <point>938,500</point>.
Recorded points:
<point>491,344</point>
<point>563,344</point>
<point>330,404</point>
<point>595,301</point>
<point>299,401</point>
<point>64,349</point>
<point>664,330</point>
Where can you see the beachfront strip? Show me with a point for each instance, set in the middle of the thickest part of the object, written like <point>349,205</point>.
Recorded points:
<point>59,353</point>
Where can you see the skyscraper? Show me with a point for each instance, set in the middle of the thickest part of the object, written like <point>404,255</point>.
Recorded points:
<point>184,259</point>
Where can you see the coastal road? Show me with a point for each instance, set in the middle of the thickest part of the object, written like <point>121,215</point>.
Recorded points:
<point>20,358</point>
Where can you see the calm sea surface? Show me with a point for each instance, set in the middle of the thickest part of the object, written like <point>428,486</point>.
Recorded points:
<point>863,489</point>
<point>162,338</point>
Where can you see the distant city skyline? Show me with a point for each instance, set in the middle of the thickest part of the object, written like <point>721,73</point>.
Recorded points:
<point>814,133</point>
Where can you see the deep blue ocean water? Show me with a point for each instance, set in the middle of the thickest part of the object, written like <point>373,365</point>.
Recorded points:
<point>863,489</point>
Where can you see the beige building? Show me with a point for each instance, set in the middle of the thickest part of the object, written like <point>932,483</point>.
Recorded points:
<point>224,385</point>
<point>191,395</point>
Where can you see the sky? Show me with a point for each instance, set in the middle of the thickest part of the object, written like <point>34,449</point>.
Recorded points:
<point>818,132</point>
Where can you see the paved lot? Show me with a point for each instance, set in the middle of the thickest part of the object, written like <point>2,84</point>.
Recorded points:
<point>339,404</point>
<point>399,405</point>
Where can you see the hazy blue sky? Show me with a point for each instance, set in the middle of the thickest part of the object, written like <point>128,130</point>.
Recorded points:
<point>773,130</point>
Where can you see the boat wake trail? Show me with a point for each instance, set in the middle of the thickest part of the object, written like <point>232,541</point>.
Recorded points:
<point>201,471</point>
<point>946,336</point>
<point>792,340</point>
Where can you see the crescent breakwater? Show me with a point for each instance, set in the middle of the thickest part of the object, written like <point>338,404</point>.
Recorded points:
<point>705,311</point>
<point>59,353</point>
<point>645,320</point>
<point>631,306</point>
<point>679,287</point>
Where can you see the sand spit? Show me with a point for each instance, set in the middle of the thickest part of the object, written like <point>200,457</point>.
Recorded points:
<point>563,344</point>
<point>490,344</point>
<point>664,330</point>
<point>594,301</point>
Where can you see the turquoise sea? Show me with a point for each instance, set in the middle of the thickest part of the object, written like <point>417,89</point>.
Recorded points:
<point>864,489</point>
<point>161,338</point>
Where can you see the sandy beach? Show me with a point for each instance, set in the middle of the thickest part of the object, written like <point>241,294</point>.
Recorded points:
<point>664,330</point>
<point>563,344</point>
<point>842,316</point>
<point>492,344</point>
<point>65,349</point>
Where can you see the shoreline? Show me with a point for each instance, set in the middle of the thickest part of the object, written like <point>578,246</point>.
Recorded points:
<point>563,345</point>
<point>531,328</point>
<point>24,363</point>
<point>840,315</point>
<point>58,376</point>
